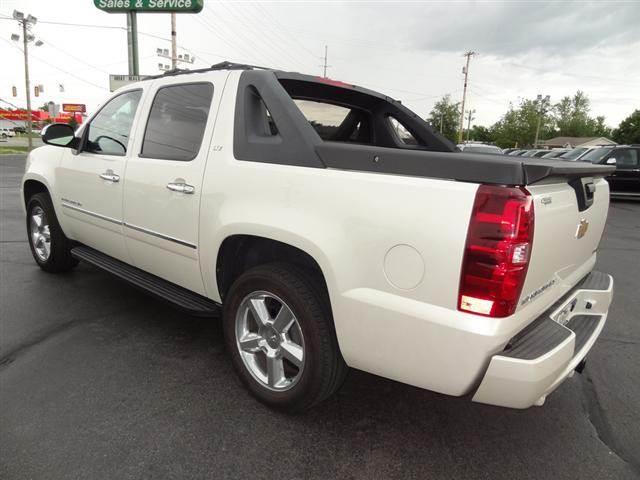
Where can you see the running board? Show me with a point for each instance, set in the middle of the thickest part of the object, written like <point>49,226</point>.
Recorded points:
<point>180,297</point>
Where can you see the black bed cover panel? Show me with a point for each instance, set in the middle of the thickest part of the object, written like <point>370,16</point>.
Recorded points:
<point>465,167</point>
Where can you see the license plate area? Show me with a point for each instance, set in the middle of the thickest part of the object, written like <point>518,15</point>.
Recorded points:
<point>564,315</point>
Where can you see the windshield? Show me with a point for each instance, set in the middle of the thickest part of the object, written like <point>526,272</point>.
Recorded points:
<point>553,154</point>
<point>573,154</point>
<point>482,149</point>
<point>595,155</point>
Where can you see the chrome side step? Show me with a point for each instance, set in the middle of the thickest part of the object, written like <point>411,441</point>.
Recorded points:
<point>182,298</point>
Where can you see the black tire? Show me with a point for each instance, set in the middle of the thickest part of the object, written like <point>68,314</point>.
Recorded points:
<point>59,259</point>
<point>324,368</point>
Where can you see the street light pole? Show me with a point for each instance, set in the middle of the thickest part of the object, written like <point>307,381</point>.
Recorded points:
<point>26,82</point>
<point>26,21</point>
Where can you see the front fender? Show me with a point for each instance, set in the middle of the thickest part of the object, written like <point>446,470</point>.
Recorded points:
<point>40,166</point>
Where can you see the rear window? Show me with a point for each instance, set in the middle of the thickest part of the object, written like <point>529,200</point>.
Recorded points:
<point>482,149</point>
<point>325,118</point>
<point>336,123</point>
<point>339,112</point>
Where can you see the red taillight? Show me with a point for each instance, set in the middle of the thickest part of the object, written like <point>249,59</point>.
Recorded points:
<point>497,251</point>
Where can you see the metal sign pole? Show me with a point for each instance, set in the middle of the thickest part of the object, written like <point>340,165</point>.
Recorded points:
<point>132,42</point>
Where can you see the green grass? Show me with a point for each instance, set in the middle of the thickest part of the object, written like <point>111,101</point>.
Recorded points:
<point>13,149</point>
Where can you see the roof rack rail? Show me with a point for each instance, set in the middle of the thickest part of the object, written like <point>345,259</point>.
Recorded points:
<point>218,66</point>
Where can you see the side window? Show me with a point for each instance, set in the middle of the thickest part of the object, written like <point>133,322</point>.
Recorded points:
<point>402,133</point>
<point>626,158</point>
<point>176,122</point>
<point>108,132</point>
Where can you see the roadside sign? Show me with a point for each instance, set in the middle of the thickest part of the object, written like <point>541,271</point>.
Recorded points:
<point>149,6</point>
<point>74,107</point>
<point>117,81</point>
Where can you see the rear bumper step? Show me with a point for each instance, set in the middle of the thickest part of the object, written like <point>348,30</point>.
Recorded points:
<point>180,297</point>
<point>548,351</point>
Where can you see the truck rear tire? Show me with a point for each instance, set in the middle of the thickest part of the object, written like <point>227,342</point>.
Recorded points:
<point>279,331</point>
<point>50,248</point>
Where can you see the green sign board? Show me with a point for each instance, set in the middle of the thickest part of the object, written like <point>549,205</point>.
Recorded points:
<point>149,6</point>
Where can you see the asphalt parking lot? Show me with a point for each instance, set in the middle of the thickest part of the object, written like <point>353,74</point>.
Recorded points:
<point>98,381</point>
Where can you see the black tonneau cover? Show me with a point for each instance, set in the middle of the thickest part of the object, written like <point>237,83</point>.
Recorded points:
<point>465,167</point>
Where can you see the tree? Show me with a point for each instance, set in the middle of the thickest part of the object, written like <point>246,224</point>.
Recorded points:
<point>573,120</point>
<point>481,134</point>
<point>629,129</point>
<point>599,129</point>
<point>444,117</point>
<point>518,125</point>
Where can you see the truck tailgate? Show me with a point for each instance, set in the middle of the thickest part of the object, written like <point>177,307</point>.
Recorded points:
<point>570,217</point>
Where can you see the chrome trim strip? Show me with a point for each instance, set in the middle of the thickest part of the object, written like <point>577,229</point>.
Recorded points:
<point>160,235</point>
<point>128,225</point>
<point>92,214</point>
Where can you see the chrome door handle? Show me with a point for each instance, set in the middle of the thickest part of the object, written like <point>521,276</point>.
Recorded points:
<point>110,176</point>
<point>181,187</point>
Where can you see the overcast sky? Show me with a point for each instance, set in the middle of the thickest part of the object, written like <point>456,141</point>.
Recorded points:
<point>411,51</point>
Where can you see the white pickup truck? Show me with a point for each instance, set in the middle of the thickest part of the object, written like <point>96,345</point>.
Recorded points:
<point>331,227</point>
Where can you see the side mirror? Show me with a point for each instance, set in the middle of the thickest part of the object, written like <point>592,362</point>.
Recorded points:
<point>59,135</point>
<point>611,161</point>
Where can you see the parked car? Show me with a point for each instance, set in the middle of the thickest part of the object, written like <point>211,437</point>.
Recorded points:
<point>555,153</point>
<point>7,133</point>
<point>479,148</point>
<point>507,151</point>
<point>19,129</point>
<point>625,181</point>
<point>330,234</point>
<point>577,153</point>
<point>535,153</point>
<point>517,153</point>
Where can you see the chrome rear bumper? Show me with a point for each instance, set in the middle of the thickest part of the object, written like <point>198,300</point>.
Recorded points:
<point>545,353</point>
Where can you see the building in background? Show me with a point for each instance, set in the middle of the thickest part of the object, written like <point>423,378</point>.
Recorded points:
<point>18,118</point>
<point>573,142</point>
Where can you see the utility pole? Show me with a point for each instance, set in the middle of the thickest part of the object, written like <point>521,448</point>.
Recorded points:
<point>26,22</point>
<point>465,71</point>
<point>325,66</point>
<point>543,103</point>
<point>441,121</point>
<point>469,118</point>
<point>174,48</point>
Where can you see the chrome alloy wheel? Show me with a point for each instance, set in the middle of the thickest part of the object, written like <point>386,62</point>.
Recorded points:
<point>40,235</point>
<point>270,341</point>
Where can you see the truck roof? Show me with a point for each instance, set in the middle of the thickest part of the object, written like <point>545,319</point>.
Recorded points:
<point>280,74</point>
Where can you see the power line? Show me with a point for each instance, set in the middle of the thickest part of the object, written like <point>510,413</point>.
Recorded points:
<point>58,68</point>
<point>281,31</point>
<point>240,35</point>
<point>275,43</point>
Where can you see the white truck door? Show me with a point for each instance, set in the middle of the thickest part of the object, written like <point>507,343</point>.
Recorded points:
<point>164,178</point>
<point>90,184</point>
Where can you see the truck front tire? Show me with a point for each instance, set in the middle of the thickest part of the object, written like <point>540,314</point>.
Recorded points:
<point>279,331</point>
<point>50,248</point>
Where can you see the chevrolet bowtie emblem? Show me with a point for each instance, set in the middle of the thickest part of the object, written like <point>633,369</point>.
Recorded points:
<point>583,226</point>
